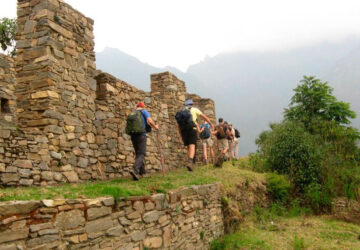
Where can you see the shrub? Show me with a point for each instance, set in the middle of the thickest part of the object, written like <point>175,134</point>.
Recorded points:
<point>288,149</point>
<point>318,198</point>
<point>257,163</point>
<point>278,186</point>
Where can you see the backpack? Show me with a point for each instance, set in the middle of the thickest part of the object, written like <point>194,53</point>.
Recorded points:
<point>221,131</point>
<point>237,133</point>
<point>184,119</point>
<point>135,123</point>
<point>206,133</point>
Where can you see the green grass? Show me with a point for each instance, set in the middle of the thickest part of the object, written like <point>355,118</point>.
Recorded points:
<point>290,232</point>
<point>228,176</point>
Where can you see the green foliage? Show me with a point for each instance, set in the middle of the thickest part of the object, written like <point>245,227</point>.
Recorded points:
<point>7,34</point>
<point>289,149</point>
<point>313,101</point>
<point>318,197</point>
<point>202,235</point>
<point>299,243</point>
<point>225,201</point>
<point>278,186</point>
<point>313,146</point>
<point>257,163</point>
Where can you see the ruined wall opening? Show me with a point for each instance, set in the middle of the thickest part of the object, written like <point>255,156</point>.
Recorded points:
<point>100,91</point>
<point>4,106</point>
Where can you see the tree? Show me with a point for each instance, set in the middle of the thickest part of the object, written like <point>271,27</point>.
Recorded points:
<point>7,35</point>
<point>313,101</point>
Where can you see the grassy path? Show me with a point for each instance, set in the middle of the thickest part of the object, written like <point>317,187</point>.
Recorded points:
<point>292,233</point>
<point>229,175</point>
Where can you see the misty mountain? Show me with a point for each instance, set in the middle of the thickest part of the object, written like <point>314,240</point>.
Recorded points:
<point>251,89</point>
<point>129,69</point>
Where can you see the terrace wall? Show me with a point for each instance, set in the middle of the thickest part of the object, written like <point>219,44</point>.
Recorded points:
<point>182,219</point>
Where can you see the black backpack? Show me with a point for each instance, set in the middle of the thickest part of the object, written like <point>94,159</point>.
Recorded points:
<point>237,133</point>
<point>184,119</point>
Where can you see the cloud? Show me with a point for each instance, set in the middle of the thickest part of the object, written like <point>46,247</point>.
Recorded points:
<point>182,32</point>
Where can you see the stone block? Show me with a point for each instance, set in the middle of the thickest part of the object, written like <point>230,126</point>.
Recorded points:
<point>138,235</point>
<point>42,240</point>
<point>153,242</point>
<point>29,26</point>
<point>71,176</point>
<point>98,225</point>
<point>47,175</point>
<point>56,155</point>
<point>4,133</point>
<point>18,207</point>
<point>9,177</point>
<point>41,226</point>
<point>23,163</point>
<point>69,220</point>
<point>60,29</point>
<point>151,216</point>
<point>115,231</point>
<point>83,162</point>
<point>8,236</point>
<point>94,213</point>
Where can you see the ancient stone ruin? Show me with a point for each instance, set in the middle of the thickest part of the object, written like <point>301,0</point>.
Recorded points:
<point>62,120</point>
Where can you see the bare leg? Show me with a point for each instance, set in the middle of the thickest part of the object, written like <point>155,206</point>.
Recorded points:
<point>191,151</point>
<point>212,156</point>
<point>230,150</point>
<point>205,153</point>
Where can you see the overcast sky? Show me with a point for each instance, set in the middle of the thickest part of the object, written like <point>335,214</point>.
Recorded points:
<point>182,32</point>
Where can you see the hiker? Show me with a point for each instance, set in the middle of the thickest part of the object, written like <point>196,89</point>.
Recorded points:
<point>222,133</point>
<point>138,124</point>
<point>230,138</point>
<point>188,129</point>
<point>236,135</point>
<point>205,136</point>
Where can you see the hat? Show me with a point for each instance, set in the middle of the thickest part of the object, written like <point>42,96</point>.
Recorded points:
<point>189,102</point>
<point>140,105</point>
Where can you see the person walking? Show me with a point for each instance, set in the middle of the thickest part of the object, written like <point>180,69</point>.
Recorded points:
<point>230,138</point>
<point>236,134</point>
<point>138,124</point>
<point>222,134</point>
<point>188,129</point>
<point>205,136</point>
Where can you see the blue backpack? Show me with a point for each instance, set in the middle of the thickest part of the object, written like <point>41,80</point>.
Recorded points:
<point>206,133</point>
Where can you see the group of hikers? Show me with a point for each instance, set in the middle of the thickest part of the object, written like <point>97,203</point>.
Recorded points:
<point>139,123</point>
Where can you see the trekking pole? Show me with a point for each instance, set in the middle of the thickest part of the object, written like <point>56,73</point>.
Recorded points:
<point>160,152</point>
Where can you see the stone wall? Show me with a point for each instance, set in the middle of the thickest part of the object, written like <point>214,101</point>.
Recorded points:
<point>70,118</point>
<point>182,219</point>
<point>7,88</point>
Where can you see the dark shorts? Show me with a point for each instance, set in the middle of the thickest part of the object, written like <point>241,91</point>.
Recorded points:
<point>189,136</point>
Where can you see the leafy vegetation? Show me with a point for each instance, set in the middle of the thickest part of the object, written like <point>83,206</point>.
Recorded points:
<point>313,146</point>
<point>7,35</point>
<point>313,101</point>
<point>278,186</point>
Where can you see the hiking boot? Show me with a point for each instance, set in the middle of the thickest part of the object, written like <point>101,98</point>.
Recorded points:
<point>219,162</point>
<point>134,175</point>
<point>190,166</point>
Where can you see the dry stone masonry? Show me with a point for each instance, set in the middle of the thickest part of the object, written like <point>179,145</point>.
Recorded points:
<point>182,219</point>
<point>62,120</point>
